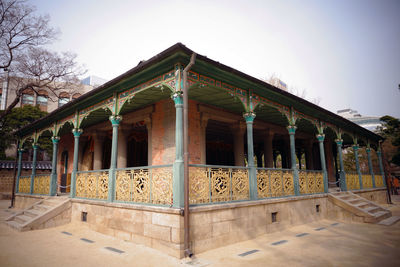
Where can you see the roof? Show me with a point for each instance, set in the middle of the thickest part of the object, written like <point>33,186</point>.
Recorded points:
<point>182,53</point>
<point>40,165</point>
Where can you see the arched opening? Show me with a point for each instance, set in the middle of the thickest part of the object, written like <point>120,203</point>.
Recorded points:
<point>42,100</point>
<point>76,95</point>
<point>63,99</point>
<point>28,97</point>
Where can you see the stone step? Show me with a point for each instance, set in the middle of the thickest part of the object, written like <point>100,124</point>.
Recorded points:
<point>42,207</point>
<point>22,219</point>
<point>365,205</point>
<point>377,217</point>
<point>356,201</point>
<point>32,213</point>
<point>14,224</point>
<point>51,202</point>
<point>390,221</point>
<point>374,209</point>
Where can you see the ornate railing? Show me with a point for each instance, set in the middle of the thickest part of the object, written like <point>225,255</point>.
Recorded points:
<point>311,181</point>
<point>41,184</point>
<point>24,184</point>
<point>379,181</point>
<point>366,180</point>
<point>92,184</point>
<point>274,182</point>
<point>352,180</point>
<point>212,184</point>
<point>149,184</point>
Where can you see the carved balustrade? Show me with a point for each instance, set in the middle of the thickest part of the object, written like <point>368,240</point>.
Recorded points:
<point>150,184</point>
<point>366,180</point>
<point>274,182</point>
<point>92,184</point>
<point>311,181</point>
<point>213,184</point>
<point>352,180</point>
<point>41,184</point>
<point>24,184</point>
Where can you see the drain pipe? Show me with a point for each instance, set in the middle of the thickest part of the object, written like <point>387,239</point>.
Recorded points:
<point>185,90</point>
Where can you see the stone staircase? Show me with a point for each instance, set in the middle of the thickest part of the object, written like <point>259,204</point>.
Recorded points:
<point>359,206</point>
<point>39,214</point>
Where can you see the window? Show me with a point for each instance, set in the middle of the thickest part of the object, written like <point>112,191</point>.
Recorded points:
<point>27,99</point>
<point>63,99</point>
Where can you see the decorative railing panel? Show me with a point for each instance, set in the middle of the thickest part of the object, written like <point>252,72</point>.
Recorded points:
<point>151,184</point>
<point>41,184</point>
<point>352,181</point>
<point>210,184</point>
<point>92,184</point>
<point>274,182</point>
<point>367,180</point>
<point>379,181</point>
<point>311,181</point>
<point>24,184</point>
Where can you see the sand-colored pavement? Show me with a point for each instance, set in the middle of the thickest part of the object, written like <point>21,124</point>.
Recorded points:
<point>322,243</point>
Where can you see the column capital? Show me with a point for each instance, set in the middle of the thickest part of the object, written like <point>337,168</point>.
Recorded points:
<point>292,129</point>
<point>368,149</point>
<point>20,150</point>
<point>55,139</point>
<point>77,132</point>
<point>356,147</point>
<point>249,117</point>
<point>115,120</point>
<point>321,137</point>
<point>339,142</point>
<point>178,99</point>
<point>35,146</point>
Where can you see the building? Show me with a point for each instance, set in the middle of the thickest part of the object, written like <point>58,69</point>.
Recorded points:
<point>369,122</point>
<point>121,149</point>
<point>94,81</point>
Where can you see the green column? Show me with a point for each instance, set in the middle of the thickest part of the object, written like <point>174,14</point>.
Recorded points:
<point>34,161</point>
<point>53,177</point>
<point>177,184</point>
<point>249,117</point>
<point>77,133</point>
<point>292,131</point>
<point>342,182</point>
<point>371,171</point>
<point>321,138</point>
<point>115,120</point>
<point>20,151</point>
<point>355,148</point>
<point>381,167</point>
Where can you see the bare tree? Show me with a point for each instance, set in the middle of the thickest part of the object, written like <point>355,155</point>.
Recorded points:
<point>20,28</point>
<point>39,68</point>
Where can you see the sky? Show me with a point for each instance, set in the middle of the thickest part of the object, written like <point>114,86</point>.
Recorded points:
<point>344,53</point>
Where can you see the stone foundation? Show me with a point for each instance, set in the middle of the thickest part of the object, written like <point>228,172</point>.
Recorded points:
<point>157,227</point>
<point>211,226</point>
<point>23,201</point>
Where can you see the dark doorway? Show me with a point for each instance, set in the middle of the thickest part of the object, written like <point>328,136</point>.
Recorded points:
<point>64,171</point>
<point>137,146</point>
<point>219,144</point>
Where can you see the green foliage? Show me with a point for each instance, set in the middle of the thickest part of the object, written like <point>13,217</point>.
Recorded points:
<point>18,118</point>
<point>391,131</point>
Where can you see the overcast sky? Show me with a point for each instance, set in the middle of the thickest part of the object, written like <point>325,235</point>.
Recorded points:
<point>344,52</point>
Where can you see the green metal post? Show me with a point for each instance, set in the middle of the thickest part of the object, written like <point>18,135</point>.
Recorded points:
<point>77,133</point>
<point>249,117</point>
<point>355,148</point>
<point>321,138</point>
<point>177,184</point>
<point>115,120</point>
<point>20,151</point>
<point>292,131</point>
<point>381,167</point>
<point>34,161</point>
<point>53,177</point>
<point>343,186</point>
<point>371,171</point>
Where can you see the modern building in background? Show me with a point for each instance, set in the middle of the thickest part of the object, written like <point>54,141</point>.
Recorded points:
<point>94,81</point>
<point>369,122</point>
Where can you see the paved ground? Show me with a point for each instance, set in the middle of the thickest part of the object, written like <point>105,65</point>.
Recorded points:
<point>323,243</point>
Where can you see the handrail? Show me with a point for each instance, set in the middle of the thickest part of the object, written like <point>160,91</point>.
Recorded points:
<point>218,166</point>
